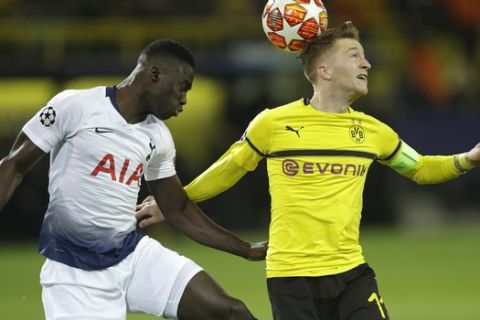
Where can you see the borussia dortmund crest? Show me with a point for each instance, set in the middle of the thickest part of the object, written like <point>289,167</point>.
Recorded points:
<point>356,132</point>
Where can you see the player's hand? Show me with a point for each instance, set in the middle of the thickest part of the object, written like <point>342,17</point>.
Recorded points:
<point>258,251</point>
<point>148,213</point>
<point>473,156</point>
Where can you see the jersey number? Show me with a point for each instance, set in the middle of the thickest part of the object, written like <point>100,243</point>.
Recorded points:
<point>379,301</point>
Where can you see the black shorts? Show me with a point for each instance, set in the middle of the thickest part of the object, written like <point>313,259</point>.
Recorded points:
<point>352,295</point>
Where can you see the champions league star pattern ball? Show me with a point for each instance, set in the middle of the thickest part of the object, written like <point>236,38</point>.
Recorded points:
<point>288,24</point>
<point>47,116</point>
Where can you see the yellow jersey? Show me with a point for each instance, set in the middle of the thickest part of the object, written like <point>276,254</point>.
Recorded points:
<point>317,165</point>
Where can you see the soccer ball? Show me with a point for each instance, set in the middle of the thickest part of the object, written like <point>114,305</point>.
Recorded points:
<point>47,116</point>
<point>288,24</point>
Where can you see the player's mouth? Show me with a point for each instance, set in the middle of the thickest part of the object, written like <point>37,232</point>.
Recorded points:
<point>363,77</point>
<point>178,110</point>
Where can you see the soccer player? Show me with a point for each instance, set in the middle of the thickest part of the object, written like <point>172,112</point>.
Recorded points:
<point>101,141</point>
<point>318,153</point>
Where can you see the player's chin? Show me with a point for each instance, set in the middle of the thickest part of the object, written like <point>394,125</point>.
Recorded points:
<point>171,113</point>
<point>165,116</point>
<point>178,111</point>
<point>362,90</point>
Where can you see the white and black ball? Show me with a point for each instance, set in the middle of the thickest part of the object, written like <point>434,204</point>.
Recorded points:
<point>47,116</point>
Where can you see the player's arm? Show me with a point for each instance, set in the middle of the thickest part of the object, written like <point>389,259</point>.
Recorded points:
<point>23,155</point>
<point>431,169</point>
<point>36,139</point>
<point>241,157</point>
<point>220,176</point>
<point>187,217</point>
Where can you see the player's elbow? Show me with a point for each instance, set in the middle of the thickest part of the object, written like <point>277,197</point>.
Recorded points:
<point>422,182</point>
<point>10,166</point>
<point>427,180</point>
<point>418,179</point>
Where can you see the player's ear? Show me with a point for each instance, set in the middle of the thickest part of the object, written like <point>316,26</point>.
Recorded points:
<point>154,73</point>
<point>323,72</point>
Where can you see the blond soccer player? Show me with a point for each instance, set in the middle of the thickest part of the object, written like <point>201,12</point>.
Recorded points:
<point>318,153</point>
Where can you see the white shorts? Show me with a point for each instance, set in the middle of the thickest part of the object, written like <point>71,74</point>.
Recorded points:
<point>151,280</point>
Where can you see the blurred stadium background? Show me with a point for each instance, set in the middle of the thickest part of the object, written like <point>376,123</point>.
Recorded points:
<point>425,82</point>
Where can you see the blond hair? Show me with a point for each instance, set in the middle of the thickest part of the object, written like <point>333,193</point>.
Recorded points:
<point>317,46</point>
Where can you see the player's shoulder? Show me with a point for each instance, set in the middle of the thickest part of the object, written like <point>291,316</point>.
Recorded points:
<point>380,125</point>
<point>78,107</point>
<point>78,101</point>
<point>72,95</point>
<point>157,130</point>
<point>363,115</point>
<point>281,110</point>
<point>154,123</point>
<point>290,107</point>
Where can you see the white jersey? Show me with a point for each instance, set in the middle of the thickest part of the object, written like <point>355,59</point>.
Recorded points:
<point>97,160</point>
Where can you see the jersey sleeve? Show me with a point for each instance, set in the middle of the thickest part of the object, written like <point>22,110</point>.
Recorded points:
<point>241,157</point>
<point>55,122</point>
<point>255,142</point>
<point>162,162</point>
<point>220,176</point>
<point>426,169</point>
<point>389,142</point>
<point>434,169</point>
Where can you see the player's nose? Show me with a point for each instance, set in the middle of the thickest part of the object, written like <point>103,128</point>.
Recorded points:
<point>365,64</point>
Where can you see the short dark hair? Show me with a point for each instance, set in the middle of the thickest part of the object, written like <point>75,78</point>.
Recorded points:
<point>320,44</point>
<point>168,47</point>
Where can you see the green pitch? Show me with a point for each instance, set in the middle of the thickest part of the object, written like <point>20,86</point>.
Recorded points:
<point>423,274</point>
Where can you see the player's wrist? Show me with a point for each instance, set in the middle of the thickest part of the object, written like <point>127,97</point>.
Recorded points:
<point>244,250</point>
<point>462,163</point>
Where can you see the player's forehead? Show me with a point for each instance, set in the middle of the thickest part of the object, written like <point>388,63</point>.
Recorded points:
<point>164,61</point>
<point>181,76</point>
<point>186,74</point>
<point>347,44</point>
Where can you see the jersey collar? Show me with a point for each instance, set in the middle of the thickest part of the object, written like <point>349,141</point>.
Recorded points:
<point>110,93</point>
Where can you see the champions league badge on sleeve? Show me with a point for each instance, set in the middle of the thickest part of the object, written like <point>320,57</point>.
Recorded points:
<point>47,116</point>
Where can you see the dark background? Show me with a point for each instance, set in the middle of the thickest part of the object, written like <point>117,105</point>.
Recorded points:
<point>424,83</point>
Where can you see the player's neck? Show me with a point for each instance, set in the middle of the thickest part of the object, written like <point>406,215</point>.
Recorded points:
<point>328,101</point>
<point>127,103</point>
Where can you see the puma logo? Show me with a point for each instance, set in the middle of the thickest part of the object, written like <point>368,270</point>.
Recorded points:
<point>297,131</point>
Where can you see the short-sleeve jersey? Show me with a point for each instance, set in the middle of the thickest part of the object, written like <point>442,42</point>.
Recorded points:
<point>317,164</point>
<point>97,161</point>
